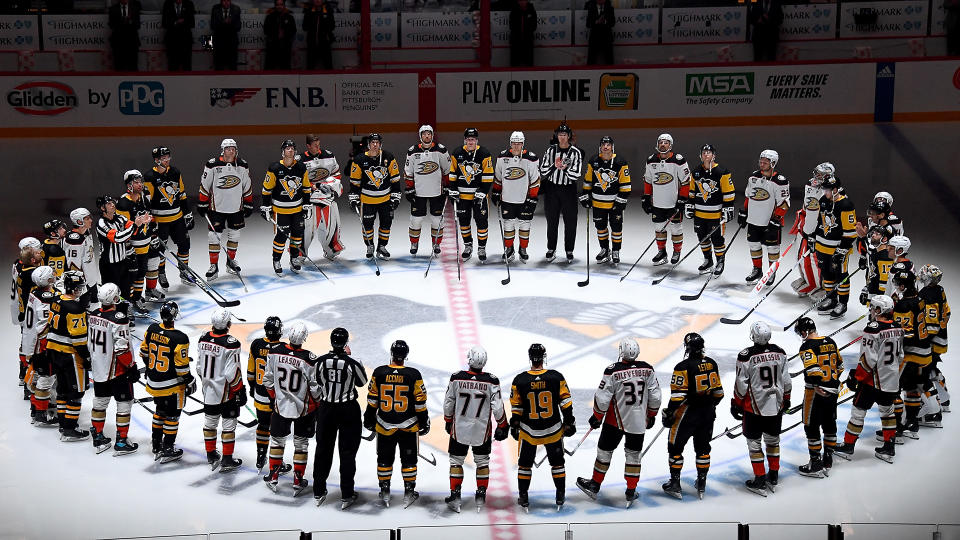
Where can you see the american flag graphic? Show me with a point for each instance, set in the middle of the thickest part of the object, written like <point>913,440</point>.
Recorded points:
<point>228,97</point>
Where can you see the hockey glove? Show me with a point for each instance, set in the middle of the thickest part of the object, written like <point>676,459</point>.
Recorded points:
<point>786,404</point>
<point>646,204</point>
<point>742,217</point>
<point>247,209</point>
<point>132,374</point>
<point>852,382</point>
<point>454,195</point>
<point>862,263</point>
<point>678,208</point>
<point>736,411</point>
<point>651,421</point>
<point>619,204</point>
<point>776,221</point>
<point>688,210</point>
<point>424,426</point>
<point>729,214</point>
<point>500,433</point>
<point>188,220</point>
<point>666,417</point>
<point>394,201</point>
<point>530,205</point>
<point>241,398</point>
<point>837,260</point>
<point>191,385</point>
<point>448,427</point>
<point>495,198</point>
<point>585,200</point>
<point>515,427</point>
<point>370,419</point>
<point>569,430</point>
<point>411,196</point>
<point>864,296</point>
<point>265,213</point>
<point>594,422</point>
<point>202,209</point>
<point>355,203</point>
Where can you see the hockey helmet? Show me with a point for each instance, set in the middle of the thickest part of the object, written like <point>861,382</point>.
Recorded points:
<point>629,349</point>
<point>287,143</point>
<point>29,242</point>
<point>885,196</point>
<point>664,137</point>
<point>227,143</point>
<point>760,333</point>
<point>131,176</point>
<point>929,274</point>
<point>708,148</point>
<point>517,137</point>
<point>53,226</point>
<point>160,151</point>
<point>904,278</point>
<point>339,338</point>
<point>73,282</point>
<point>103,200</point>
<point>78,215</point>
<point>693,344</point>
<point>831,183</point>
<point>169,311</point>
<point>606,139</point>
<point>109,294</point>
<point>43,276</point>
<point>881,304</point>
<point>399,350</point>
<point>537,354</point>
<point>471,132</point>
<point>297,334</point>
<point>771,155</point>
<point>273,327</point>
<point>477,357</point>
<point>804,326</point>
<point>880,206</point>
<point>564,128</point>
<point>375,137</point>
<point>425,127</point>
<point>821,172</point>
<point>900,245</point>
<point>220,319</point>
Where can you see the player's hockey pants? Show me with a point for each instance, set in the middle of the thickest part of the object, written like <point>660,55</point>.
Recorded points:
<point>820,413</point>
<point>371,212</point>
<point>386,453</point>
<point>333,419</point>
<point>833,274</point>
<point>517,216</point>
<point>864,398</point>
<point>71,384</point>
<point>560,201</point>
<point>754,426</point>
<point>418,212</point>
<point>675,227</point>
<point>695,422</point>
<point>763,235</point>
<point>288,226</point>
<point>481,458</point>
<point>610,437</point>
<point>602,217</point>
<point>478,210</point>
<point>528,453</point>
<point>166,420</point>
<point>703,228</point>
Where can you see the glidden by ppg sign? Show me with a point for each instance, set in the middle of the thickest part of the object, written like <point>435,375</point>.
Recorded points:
<point>46,98</point>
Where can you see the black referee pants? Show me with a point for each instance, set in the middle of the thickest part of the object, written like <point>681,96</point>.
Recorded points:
<point>331,419</point>
<point>560,201</point>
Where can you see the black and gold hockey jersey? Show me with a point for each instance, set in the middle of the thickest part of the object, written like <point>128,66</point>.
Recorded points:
<point>607,181</point>
<point>167,194</point>
<point>130,209</point>
<point>256,367</point>
<point>67,330</point>
<point>54,256</point>
<point>471,172</point>
<point>375,177</point>
<point>25,286</point>
<point>541,403</point>
<point>398,395</point>
<point>695,384</point>
<point>286,188</point>
<point>165,352</point>
<point>822,364</point>
<point>910,313</point>
<point>838,224</point>
<point>938,315</point>
<point>711,191</point>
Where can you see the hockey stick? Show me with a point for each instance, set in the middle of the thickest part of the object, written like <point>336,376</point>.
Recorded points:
<point>432,460</point>
<point>587,281</point>
<point>585,435</point>
<point>818,302</point>
<point>674,267</point>
<point>856,339</point>
<point>303,252</point>
<point>689,297</point>
<point>786,429</point>
<point>373,433</point>
<point>775,266</point>
<point>650,245</point>
<point>505,259</point>
<point>653,440</point>
<point>224,248</point>
<point>375,262</point>
<point>204,286</point>
<point>726,320</point>
<point>434,237</point>
<point>831,334</point>
<point>724,432</point>
<point>139,402</point>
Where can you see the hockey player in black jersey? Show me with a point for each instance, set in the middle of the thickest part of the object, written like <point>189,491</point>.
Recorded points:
<point>256,368</point>
<point>67,345</point>
<point>171,211</point>
<point>397,411</point>
<point>822,367</point>
<point>375,189</point>
<point>835,233</point>
<point>145,254</point>
<point>937,317</point>
<point>164,351</point>
<point>471,178</point>
<point>286,195</point>
<point>53,254</point>
<point>710,204</point>
<point>542,414</point>
<point>606,188</point>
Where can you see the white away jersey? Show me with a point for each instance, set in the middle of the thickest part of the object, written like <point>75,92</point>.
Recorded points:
<point>811,208</point>
<point>291,374</point>
<point>425,169</point>
<point>666,177</point>
<point>218,364</point>
<point>518,176</point>
<point>470,399</point>
<point>81,255</point>
<point>628,392</point>
<point>322,169</point>
<point>108,336</point>
<point>764,194</point>
<point>881,354</point>
<point>225,185</point>
<point>762,379</point>
<point>35,318</point>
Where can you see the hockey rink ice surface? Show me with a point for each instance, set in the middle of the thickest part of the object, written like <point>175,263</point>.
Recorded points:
<point>65,490</point>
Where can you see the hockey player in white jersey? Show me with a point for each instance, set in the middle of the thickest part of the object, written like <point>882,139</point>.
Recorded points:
<point>806,224</point>
<point>81,254</point>
<point>218,364</point>
<point>666,189</point>
<point>424,171</point>
<point>472,396</point>
<point>34,333</point>
<point>34,245</point>
<point>226,197</point>
<point>876,379</point>
<point>516,185</point>
<point>113,369</point>
<point>761,395</point>
<point>626,405</point>
<point>290,379</point>
<point>323,219</point>
<point>767,199</point>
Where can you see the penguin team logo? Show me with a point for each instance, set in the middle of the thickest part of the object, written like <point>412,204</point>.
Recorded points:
<point>427,167</point>
<point>828,222</point>
<point>662,178</point>
<point>759,194</point>
<point>812,203</point>
<point>470,170</point>
<point>291,185</point>
<point>605,178</point>
<point>228,181</point>
<point>514,173</point>
<point>377,175</point>
<point>707,188</point>
<point>169,192</point>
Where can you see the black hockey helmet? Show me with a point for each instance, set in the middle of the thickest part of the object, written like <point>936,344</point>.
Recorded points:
<point>169,311</point>
<point>693,344</point>
<point>287,143</point>
<point>399,350</point>
<point>73,281</point>
<point>160,151</point>
<point>830,182</point>
<point>471,132</point>
<point>880,206</point>
<point>339,337</point>
<point>805,325</point>
<point>564,128</point>
<point>904,277</point>
<point>273,327</point>
<point>103,200</point>
<point>708,148</point>
<point>606,139</point>
<point>374,137</point>
<point>537,353</point>
<point>52,226</point>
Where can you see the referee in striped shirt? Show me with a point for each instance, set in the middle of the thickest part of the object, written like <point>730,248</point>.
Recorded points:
<point>560,169</point>
<point>339,376</point>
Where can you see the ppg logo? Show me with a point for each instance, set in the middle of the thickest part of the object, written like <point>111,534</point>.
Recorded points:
<point>140,97</point>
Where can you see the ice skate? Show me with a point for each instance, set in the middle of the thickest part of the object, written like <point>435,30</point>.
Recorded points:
<point>212,272</point>
<point>561,498</point>
<point>124,447</point>
<point>370,249</point>
<point>348,501</point>
<point>757,485</point>
<point>718,269</point>
<point>672,488</point>
<point>271,479</point>
<point>550,256</point>
<point>631,495</point>
<point>701,485</point>
<point>589,487</point>
<point>754,275</point>
<point>508,254</point>
<point>320,498</point>
<point>229,463</point>
<point>382,253</point>
<point>660,258</point>
<point>885,452</point>
<point>569,257</point>
<point>299,484</point>
<point>675,258</point>
<point>453,501</point>
<point>467,251</point>
<point>844,451</point>
<point>162,280</point>
<point>213,458</point>
<point>295,265</point>
<point>480,498</point>
<point>232,266</point>
<point>410,495</point>
<point>813,469</point>
<point>482,253</point>
<point>73,435</point>
<point>524,257</point>
<point>277,268</point>
<point>414,247</point>
<point>772,480</point>
<point>838,311</point>
<point>615,257</point>
<point>170,454</point>
<point>706,266</point>
<point>603,256</point>
<point>100,443</point>
<point>524,501</point>
<point>932,421</point>
<point>384,494</point>
<point>155,295</point>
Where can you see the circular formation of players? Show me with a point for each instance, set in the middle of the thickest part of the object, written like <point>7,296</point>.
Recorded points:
<point>76,300</point>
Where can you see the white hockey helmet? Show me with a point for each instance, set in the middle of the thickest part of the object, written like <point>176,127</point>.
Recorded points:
<point>929,274</point>
<point>220,319</point>
<point>900,245</point>
<point>29,242</point>
<point>821,172</point>
<point>881,304</point>
<point>664,137</point>
<point>885,196</point>
<point>77,216</point>
<point>772,155</point>
<point>425,127</point>
<point>760,333</point>
<point>517,136</point>
<point>629,349</point>
<point>477,357</point>
<point>297,334</point>
<point>43,277</point>
<point>109,294</point>
<point>226,143</point>
<point>131,175</point>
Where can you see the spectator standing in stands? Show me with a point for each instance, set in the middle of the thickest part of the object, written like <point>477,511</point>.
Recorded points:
<point>280,30</point>
<point>523,27</point>
<point>124,20</point>
<point>600,21</point>
<point>319,24</point>
<point>766,16</point>
<point>178,19</point>
<point>225,23</point>
<point>952,26</point>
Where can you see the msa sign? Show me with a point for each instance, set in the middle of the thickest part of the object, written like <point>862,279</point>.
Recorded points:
<point>719,84</point>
